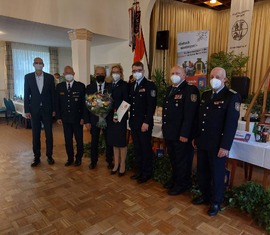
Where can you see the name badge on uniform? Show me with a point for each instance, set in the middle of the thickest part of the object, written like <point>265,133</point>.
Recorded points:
<point>178,97</point>
<point>75,92</point>
<point>142,90</point>
<point>62,93</point>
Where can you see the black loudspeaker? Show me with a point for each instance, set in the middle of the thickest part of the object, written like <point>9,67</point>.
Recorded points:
<point>162,40</point>
<point>241,85</point>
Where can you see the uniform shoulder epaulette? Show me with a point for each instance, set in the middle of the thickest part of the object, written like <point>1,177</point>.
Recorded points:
<point>233,91</point>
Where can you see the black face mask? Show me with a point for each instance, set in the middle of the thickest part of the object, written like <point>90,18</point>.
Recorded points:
<point>100,78</point>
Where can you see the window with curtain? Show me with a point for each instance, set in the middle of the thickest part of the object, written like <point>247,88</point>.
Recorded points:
<point>22,57</point>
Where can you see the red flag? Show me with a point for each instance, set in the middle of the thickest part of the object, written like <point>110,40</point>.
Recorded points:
<point>139,48</point>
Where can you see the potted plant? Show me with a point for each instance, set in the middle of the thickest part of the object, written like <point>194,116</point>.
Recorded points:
<point>161,85</point>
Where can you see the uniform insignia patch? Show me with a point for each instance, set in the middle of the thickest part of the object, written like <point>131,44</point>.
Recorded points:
<point>193,97</point>
<point>142,90</point>
<point>237,106</point>
<point>218,102</point>
<point>62,93</point>
<point>153,93</point>
<point>178,97</point>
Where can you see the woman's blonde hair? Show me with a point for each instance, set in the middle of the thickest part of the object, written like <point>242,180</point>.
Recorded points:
<point>120,69</point>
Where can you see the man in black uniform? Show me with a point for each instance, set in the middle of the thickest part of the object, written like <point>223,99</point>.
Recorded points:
<point>143,104</point>
<point>180,109</point>
<point>91,120</point>
<point>39,106</point>
<point>70,106</point>
<point>218,120</point>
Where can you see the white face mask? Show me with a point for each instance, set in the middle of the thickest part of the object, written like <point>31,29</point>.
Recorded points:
<point>175,79</point>
<point>38,67</point>
<point>137,75</point>
<point>116,76</point>
<point>215,83</point>
<point>69,77</point>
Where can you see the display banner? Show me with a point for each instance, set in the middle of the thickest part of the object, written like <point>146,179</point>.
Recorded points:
<point>192,53</point>
<point>240,26</point>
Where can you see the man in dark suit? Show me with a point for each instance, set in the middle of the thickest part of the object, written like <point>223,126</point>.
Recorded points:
<point>180,109</point>
<point>91,120</point>
<point>143,104</point>
<point>70,106</point>
<point>39,106</point>
<point>218,120</point>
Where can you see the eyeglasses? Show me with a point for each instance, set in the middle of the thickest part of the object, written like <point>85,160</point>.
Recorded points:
<point>38,62</point>
<point>137,70</point>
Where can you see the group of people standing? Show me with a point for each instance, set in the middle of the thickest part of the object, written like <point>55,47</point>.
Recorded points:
<point>188,121</point>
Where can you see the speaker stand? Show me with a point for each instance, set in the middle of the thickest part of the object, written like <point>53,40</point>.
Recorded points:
<point>163,66</point>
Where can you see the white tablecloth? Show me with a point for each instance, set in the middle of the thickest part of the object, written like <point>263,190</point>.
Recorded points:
<point>251,152</point>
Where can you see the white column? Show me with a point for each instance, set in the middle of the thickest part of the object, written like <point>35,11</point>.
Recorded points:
<point>81,46</point>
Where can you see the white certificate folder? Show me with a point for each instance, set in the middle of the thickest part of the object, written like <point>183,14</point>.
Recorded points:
<point>123,108</point>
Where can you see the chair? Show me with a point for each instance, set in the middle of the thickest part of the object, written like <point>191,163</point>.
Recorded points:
<point>16,117</point>
<point>4,110</point>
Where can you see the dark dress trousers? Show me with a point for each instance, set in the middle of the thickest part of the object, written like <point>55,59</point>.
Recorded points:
<point>179,116</point>
<point>143,104</point>
<point>41,106</point>
<point>116,131</point>
<point>218,120</point>
<point>70,107</point>
<point>95,131</point>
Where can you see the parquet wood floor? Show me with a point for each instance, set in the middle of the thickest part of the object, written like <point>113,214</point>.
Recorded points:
<point>68,200</point>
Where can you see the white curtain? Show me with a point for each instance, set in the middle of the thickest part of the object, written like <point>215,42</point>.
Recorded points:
<point>23,56</point>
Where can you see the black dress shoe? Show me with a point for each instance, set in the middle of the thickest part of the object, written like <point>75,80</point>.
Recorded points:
<point>110,166</point>
<point>213,209</point>
<point>200,200</point>
<point>120,174</point>
<point>50,160</point>
<point>92,166</point>
<point>68,163</point>
<point>176,191</point>
<point>77,163</point>
<point>136,176</point>
<point>113,172</point>
<point>35,163</point>
<point>143,179</point>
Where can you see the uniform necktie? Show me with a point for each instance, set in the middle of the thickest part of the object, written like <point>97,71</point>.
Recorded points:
<point>113,85</point>
<point>100,90</point>
<point>136,85</point>
<point>213,95</point>
<point>68,87</point>
<point>173,90</point>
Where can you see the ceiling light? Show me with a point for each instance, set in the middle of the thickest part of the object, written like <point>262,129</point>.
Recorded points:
<point>1,32</point>
<point>213,3</point>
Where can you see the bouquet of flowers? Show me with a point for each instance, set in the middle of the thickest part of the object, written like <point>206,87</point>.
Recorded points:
<point>100,105</point>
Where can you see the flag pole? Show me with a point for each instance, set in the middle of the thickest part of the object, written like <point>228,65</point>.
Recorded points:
<point>146,56</point>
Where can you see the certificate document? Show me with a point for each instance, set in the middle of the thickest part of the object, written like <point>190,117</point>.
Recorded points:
<point>123,108</point>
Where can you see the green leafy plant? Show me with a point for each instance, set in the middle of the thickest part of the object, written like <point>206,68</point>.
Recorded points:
<point>253,199</point>
<point>159,80</point>
<point>234,65</point>
<point>257,107</point>
<point>162,170</point>
<point>130,159</point>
